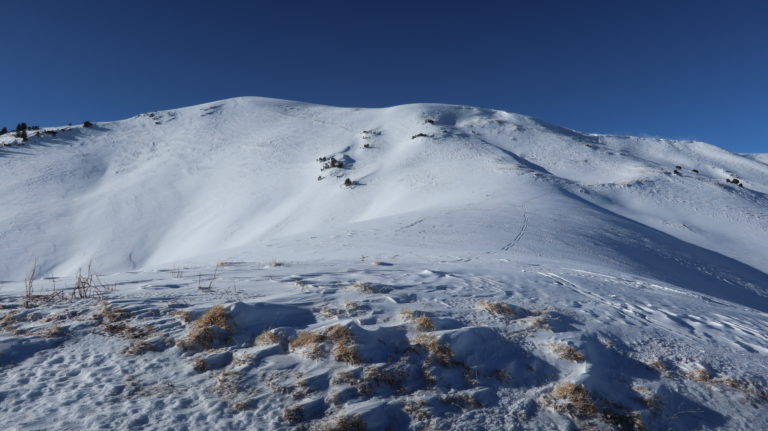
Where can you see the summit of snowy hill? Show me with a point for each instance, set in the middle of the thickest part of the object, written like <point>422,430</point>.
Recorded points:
<point>574,279</point>
<point>244,178</point>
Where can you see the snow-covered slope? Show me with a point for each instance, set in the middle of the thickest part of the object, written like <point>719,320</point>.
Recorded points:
<point>644,242</point>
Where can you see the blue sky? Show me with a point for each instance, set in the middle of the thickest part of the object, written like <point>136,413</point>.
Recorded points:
<point>678,69</point>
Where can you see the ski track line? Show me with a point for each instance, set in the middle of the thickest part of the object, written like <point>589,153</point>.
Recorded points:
<point>563,282</point>
<point>410,225</point>
<point>745,331</point>
<point>650,285</point>
<point>520,234</point>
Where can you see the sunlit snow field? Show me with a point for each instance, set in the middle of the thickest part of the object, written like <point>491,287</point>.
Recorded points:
<point>479,270</point>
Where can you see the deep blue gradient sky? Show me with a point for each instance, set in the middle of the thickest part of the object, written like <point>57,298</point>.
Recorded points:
<point>678,69</point>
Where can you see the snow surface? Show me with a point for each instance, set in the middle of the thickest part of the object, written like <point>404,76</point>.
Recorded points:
<point>505,241</point>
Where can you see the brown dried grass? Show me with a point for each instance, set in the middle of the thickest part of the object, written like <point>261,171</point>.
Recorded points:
<point>497,308</point>
<point>202,335</point>
<point>422,322</point>
<point>578,401</point>
<point>437,351</point>
<point>216,316</point>
<point>293,414</point>
<point>566,351</point>
<point>266,338</point>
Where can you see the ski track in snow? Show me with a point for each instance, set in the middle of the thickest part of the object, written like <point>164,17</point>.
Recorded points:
<point>520,234</point>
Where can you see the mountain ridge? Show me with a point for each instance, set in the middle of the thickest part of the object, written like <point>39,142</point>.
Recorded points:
<point>254,140</point>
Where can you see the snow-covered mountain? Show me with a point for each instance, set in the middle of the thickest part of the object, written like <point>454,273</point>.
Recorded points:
<point>631,268</point>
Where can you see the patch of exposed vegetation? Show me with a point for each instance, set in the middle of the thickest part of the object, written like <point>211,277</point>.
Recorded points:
<point>497,308</point>
<point>436,351</point>
<point>211,330</point>
<point>421,321</point>
<point>566,351</point>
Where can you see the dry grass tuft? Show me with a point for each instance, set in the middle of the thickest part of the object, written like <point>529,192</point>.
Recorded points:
<point>429,379</point>
<point>305,338</point>
<point>240,359</point>
<point>55,331</point>
<point>210,329</point>
<point>346,309</point>
<point>370,287</point>
<point>209,288</point>
<point>123,330</point>
<point>328,312</point>
<point>112,315</point>
<point>437,351</point>
<point>302,390</point>
<point>334,398</point>
<point>577,400</point>
<point>177,272</point>
<point>242,405</point>
<point>344,349</point>
<point>698,374</point>
<point>497,308</point>
<point>364,287</point>
<point>140,347</point>
<point>181,315</point>
<point>623,420</point>
<point>566,351</point>
<point>199,365</point>
<point>293,414</point>
<point>344,378</point>
<point>310,343</point>
<point>29,287</point>
<point>216,316</point>
<point>751,389</point>
<point>267,337</point>
<point>346,423</point>
<point>114,329</point>
<point>648,398</point>
<point>340,337</point>
<point>540,322</point>
<point>198,338</point>
<point>423,323</point>
<point>373,376</point>
<point>658,366</point>
<point>8,320</point>
<point>346,353</point>
<point>88,285</point>
<point>462,401</point>
<point>227,385</point>
<point>31,299</point>
<point>339,334</point>
<point>417,410</point>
